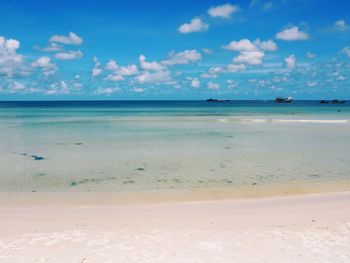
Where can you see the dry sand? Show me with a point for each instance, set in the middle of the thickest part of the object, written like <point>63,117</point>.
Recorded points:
<point>304,228</point>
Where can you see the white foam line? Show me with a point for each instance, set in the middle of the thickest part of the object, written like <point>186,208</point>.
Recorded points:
<point>297,121</point>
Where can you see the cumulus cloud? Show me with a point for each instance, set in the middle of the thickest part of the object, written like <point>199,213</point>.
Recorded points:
<point>213,86</point>
<point>120,71</point>
<point>346,51</point>
<point>153,77</point>
<point>231,84</point>
<point>183,57</point>
<point>150,65</point>
<point>196,25</point>
<point>9,59</point>
<point>311,83</point>
<point>310,55</point>
<point>107,91</point>
<point>71,39</point>
<point>250,57</point>
<point>97,70</point>
<point>341,25</point>
<point>138,90</point>
<point>114,77</point>
<point>69,55</point>
<point>247,45</point>
<point>290,61</point>
<point>112,65</point>
<point>268,45</point>
<point>127,70</point>
<point>195,83</point>
<point>235,67</point>
<point>53,47</point>
<point>251,53</point>
<point>241,45</point>
<point>223,11</point>
<point>43,62</point>
<point>292,34</point>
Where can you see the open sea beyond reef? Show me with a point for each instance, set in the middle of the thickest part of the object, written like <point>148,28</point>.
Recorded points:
<point>162,146</point>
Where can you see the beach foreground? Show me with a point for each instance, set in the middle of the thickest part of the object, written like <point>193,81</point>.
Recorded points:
<point>303,228</point>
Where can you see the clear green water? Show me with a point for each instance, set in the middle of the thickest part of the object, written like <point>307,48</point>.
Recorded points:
<point>138,146</point>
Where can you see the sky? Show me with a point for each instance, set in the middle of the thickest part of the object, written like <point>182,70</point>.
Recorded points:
<point>176,49</point>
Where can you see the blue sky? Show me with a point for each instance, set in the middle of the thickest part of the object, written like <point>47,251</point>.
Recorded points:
<point>256,49</point>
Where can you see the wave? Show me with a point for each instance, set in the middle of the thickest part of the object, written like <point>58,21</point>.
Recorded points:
<point>298,121</point>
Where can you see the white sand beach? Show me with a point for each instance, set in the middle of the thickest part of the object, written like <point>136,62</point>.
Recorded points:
<point>302,228</point>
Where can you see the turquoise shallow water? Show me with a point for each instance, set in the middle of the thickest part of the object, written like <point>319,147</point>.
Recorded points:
<point>138,146</point>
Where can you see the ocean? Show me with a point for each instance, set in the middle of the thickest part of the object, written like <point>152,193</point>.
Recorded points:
<point>162,146</point>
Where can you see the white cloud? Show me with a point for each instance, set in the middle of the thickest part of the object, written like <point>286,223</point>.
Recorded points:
<point>213,86</point>
<point>346,51</point>
<point>310,55</point>
<point>235,67</point>
<point>150,65</point>
<point>114,77</point>
<point>207,51</point>
<point>195,83</point>
<point>291,34</point>
<point>10,44</point>
<point>247,45</point>
<point>241,45</point>
<point>196,25</point>
<point>250,57</point>
<point>290,61</point>
<point>231,84</point>
<point>223,11</point>
<point>138,90</point>
<point>10,61</point>
<point>154,77</point>
<point>311,83</point>
<point>97,70</point>
<point>208,76</point>
<point>42,62</point>
<point>341,25</point>
<point>107,91</point>
<point>112,65</point>
<point>69,55</point>
<point>71,39</point>
<point>268,45</point>
<point>53,47</point>
<point>127,70</point>
<point>184,57</point>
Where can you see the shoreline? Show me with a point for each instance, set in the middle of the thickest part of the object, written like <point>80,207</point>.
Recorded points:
<point>166,196</point>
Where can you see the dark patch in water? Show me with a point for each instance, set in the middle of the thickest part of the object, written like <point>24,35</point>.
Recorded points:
<point>73,183</point>
<point>314,175</point>
<point>35,157</point>
<point>78,143</point>
<point>41,174</point>
<point>129,182</point>
<point>140,169</point>
<point>227,148</point>
<point>254,183</point>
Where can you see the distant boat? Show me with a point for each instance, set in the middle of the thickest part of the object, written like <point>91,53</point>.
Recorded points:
<point>216,100</point>
<point>283,100</point>
<point>338,101</point>
<point>324,101</point>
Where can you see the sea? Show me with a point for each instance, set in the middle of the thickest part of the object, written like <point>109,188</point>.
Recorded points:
<point>162,146</point>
